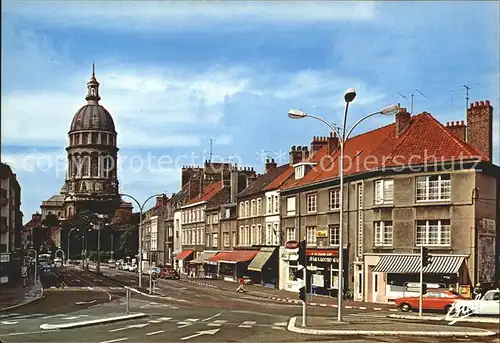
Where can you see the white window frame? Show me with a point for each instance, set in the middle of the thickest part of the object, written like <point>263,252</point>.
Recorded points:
<point>207,240</point>
<point>241,236</point>
<point>252,207</point>
<point>253,234</point>
<point>247,208</point>
<point>425,228</point>
<point>334,199</point>
<point>225,238</point>
<point>242,209</point>
<point>215,239</point>
<point>234,238</point>
<point>276,204</point>
<point>433,190</point>
<point>269,205</point>
<point>334,235</point>
<point>383,234</point>
<point>215,217</point>
<point>311,235</point>
<point>291,205</point>
<point>248,235</point>
<point>276,234</point>
<point>269,232</point>
<point>312,202</point>
<point>299,172</point>
<point>384,191</point>
<point>259,206</point>
<point>290,234</point>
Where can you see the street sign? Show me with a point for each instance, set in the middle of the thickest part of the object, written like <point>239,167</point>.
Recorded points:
<point>291,245</point>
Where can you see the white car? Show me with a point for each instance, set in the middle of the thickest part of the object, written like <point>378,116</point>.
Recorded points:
<point>489,304</point>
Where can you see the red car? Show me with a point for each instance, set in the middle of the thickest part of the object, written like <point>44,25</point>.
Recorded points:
<point>169,273</point>
<point>433,299</point>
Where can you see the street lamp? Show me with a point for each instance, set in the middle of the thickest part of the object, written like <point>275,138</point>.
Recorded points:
<point>101,220</point>
<point>141,208</point>
<point>69,234</point>
<point>349,96</point>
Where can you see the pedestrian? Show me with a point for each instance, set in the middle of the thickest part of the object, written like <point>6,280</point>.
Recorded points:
<point>477,291</point>
<point>241,287</point>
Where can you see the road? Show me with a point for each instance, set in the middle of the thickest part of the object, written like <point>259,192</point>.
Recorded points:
<point>188,312</point>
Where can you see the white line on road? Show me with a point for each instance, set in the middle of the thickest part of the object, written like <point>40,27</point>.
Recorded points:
<point>155,333</point>
<point>192,320</point>
<point>214,316</point>
<point>7,322</point>
<point>217,323</point>
<point>281,324</point>
<point>115,340</point>
<point>154,321</point>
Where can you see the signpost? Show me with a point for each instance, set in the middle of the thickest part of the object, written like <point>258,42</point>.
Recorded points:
<point>127,292</point>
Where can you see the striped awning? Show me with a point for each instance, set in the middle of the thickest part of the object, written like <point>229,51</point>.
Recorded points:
<point>410,264</point>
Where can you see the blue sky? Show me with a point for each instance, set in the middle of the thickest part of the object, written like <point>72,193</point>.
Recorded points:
<point>175,74</point>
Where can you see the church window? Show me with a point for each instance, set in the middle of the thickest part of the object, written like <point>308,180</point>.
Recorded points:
<point>85,138</point>
<point>86,166</point>
<point>94,137</point>
<point>94,165</point>
<point>92,91</point>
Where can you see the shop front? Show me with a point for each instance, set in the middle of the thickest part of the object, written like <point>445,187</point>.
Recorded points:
<point>389,276</point>
<point>325,263</point>
<point>265,267</point>
<point>203,267</point>
<point>287,265</point>
<point>233,264</point>
<point>182,260</point>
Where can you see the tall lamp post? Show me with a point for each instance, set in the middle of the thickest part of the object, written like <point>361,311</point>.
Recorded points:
<point>69,235</point>
<point>101,220</point>
<point>296,114</point>
<point>141,209</point>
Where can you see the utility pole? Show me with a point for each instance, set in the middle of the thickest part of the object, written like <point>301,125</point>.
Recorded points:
<point>466,96</point>
<point>211,141</point>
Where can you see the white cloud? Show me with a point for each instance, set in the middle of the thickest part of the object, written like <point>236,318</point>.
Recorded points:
<point>170,15</point>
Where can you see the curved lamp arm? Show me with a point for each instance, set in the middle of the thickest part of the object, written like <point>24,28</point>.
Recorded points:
<point>333,128</point>
<point>359,121</point>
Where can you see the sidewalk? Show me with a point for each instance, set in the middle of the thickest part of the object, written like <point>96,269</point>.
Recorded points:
<point>326,326</point>
<point>15,297</point>
<point>290,297</point>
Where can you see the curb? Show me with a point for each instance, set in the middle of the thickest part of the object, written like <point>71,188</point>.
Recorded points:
<point>296,302</point>
<point>440,319</point>
<point>62,326</point>
<point>24,303</point>
<point>292,328</point>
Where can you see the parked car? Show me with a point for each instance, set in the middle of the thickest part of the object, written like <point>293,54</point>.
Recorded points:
<point>169,273</point>
<point>133,268</point>
<point>58,263</point>
<point>489,304</point>
<point>434,299</point>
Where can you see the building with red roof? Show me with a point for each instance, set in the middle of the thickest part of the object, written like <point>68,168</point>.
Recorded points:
<point>411,183</point>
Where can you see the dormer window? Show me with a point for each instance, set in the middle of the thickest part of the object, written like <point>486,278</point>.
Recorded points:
<point>302,168</point>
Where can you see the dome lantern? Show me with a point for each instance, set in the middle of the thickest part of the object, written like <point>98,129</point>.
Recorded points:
<point>93,89</point>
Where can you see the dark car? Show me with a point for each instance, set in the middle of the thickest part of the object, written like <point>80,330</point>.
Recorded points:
<point>169,273</point>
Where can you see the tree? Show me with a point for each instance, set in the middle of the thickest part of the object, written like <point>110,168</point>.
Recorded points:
<point>51,220</point>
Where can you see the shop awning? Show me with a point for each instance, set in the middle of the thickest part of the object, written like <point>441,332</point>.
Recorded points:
<point>260,260</point>
<point>234,256</point>
<point>410,264</point>
<point>184,254</point>
<point>203,258</point>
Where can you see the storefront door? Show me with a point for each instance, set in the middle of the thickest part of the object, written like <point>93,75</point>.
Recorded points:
<point>358,282</point>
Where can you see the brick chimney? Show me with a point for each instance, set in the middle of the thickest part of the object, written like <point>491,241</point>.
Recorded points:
<point>317,143</point>
<point>457,128</point>
<point>333,143</point>
<point>480,127</point>
<point>298,154</point>
<point>270,163</point>
<point>403,119</point>
<point>234,178</point>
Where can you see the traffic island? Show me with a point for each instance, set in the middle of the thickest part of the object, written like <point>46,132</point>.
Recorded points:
<point>447,319</point>
<point>95,321</point>
<point>327,326</point>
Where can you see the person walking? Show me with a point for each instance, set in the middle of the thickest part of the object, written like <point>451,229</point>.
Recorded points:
<point>241,285</point>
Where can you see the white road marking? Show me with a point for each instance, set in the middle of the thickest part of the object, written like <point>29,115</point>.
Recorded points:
<point>164,319</point>
<point>115,340</point>
<point>348,307</point>
<point>362,308</point>
<point>192,320</point>
<point>217,323</point>
<point>129,327</point>
<point>199,333</point>
<point>7,322</point>
<point>155,333</point>
<point>278,328</point>
<point>214,316</point>
<point>154,321</point>
<point>8,315</point>
<point>281,324</point>
<point>247,324</point>
<point>183,323</point>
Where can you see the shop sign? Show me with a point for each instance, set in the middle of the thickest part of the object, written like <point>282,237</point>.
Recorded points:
<point>290,255</point>
<point>321,234</point>
<point>5,258</point>
<point>323,259</point>
<point>291,245</point>
<point>322,256</point>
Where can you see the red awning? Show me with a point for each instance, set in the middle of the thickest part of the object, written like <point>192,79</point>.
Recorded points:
<point>234,256</point>
<point>183,254</point>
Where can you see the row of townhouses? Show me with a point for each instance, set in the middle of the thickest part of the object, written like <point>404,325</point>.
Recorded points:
<point>10,226</point>
<point>411,183</point>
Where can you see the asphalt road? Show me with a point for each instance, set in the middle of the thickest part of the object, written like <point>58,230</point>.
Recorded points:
<point>189,313</point>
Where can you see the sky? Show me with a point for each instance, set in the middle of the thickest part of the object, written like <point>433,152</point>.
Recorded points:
<point>175,75</point>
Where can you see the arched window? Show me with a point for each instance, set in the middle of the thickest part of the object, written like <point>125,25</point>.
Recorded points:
<point>85,138</point>
<point>94,137</point>
<point>86,166</point>
<point>94,164</point>
<point>92,91</point>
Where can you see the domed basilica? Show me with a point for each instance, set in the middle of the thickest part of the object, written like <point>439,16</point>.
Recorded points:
<point>91,181</point>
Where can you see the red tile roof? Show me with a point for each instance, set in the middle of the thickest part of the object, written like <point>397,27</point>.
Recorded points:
<point>290,171</point>
<point>234,256</point>
<point>424,141</point>
<point>208,193</point>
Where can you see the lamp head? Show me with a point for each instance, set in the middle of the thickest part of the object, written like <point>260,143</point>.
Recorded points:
<point>349,95</point>
<point>296,114</point>
<point>390,110</point>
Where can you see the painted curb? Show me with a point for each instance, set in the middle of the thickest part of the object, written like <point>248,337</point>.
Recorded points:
<point>292,328</point>
<point>439,319</point>
<point>24,303</point>
<point>61,326</point>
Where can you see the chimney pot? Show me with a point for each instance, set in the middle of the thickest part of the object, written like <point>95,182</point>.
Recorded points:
<point>480,127</point>
<point>487,103</point>
<point>462,123</point>
<point>447,123</point>
<point>456,123</point>
<point>403,119</point>
<point>481,103</point>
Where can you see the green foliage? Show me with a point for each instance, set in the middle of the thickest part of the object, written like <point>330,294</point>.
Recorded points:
<point>50,221</point>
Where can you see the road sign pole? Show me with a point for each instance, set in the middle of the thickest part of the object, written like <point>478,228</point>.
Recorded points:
<point>421,296</point>
<point>304,301</point>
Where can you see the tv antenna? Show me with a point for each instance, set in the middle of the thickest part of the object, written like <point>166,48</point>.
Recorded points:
<point>412,96</point>
<point>211,141</point>
<point>467,88</point>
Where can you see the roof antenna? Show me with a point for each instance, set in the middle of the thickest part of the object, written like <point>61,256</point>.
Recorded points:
<point>93,69</point>
<point>210,156</point>
<point>412,95</point>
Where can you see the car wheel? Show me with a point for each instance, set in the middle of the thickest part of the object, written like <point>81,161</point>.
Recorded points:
<point>447,308</point>
<point>405,307</point>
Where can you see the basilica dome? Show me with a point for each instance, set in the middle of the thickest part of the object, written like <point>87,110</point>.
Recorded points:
<point>92,117</point>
